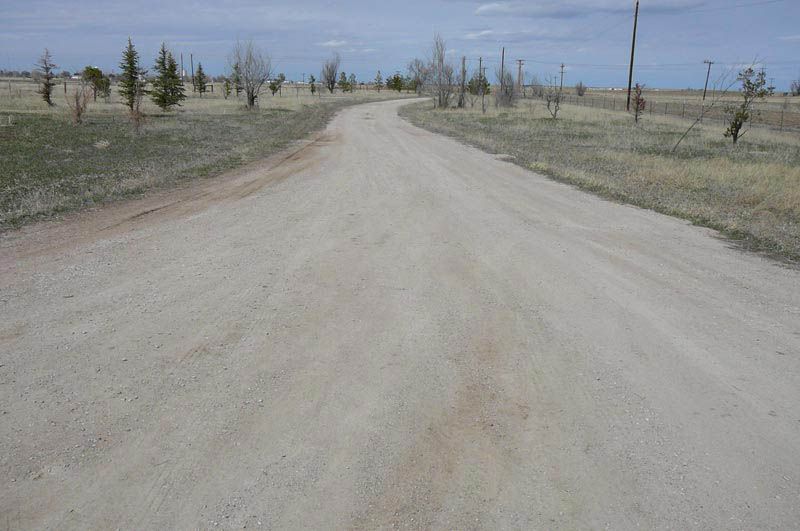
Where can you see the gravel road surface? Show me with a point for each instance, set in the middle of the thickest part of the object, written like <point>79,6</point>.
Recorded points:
<point>384,328</point>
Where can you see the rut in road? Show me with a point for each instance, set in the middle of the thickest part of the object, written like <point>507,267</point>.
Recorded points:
<point>389,329</point>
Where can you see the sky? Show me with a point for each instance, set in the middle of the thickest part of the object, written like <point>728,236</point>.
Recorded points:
<point>591,37</point>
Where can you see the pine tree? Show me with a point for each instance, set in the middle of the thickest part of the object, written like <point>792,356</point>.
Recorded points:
<point>99,82</point>
<point>131,80</point>
<point>200,80</point>
<point>344,86</point>
<point>312,84</point>
<point>236,79</point>
<point>352,81</point>
<point>167,87</point>
<point>45,69</point>
<point>378,81</point>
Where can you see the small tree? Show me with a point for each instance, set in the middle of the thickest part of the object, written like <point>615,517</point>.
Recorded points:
<point>344,86</point>
<point>506,95</point>
<point>312,84</point>
<point>353,82</point>
<point>378,81</point>
<point>441,73</point>
<point>580,89</point>
<point>200,80</point>
<point>477,86</point>
<point>227,87</point>
<point>132,83</point>
<point>552,96</point>
<point>276,83</point>
<point>794,89</point>
<point>236,80</point>
<point>418,72</point>
<point>167,90</point>
<point>45,69</point>
<point>330,69</point>
<point>252,67</point>
<point>754,88</point>
<point>99,83</point>
<point>639,103</point>
<point>395,82</point>
<point>78,101</point>
<point>537,88</point>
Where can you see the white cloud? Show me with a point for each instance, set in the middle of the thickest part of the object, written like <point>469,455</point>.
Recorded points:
<point>530,35</point>
<point>576,8</point>
<point>333,43</point>
<point>789,38</point>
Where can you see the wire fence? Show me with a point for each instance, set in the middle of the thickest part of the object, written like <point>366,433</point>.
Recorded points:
<point>779,117</point>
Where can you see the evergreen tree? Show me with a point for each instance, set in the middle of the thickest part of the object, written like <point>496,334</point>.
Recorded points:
<point>236,79</point>
<point>200,80</point>
<point>275,83</point>
<point>98,81</point>
<point>344,86</point>
<point>312,84</point>
<point>352,81</point>
<point>167,87</point>
<point>378,81</point>
<point>395,82</point>
<point>131,79</point>
<point>45,68</point>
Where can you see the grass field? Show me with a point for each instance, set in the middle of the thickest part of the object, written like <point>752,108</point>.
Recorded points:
<point>51,166</point>
<point>750,192</point>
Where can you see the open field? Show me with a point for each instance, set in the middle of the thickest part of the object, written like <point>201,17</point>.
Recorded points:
<point>50,165</point>
<point>750,191</point>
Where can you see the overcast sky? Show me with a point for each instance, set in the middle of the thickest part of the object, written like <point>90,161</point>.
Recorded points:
<point>591,36</point>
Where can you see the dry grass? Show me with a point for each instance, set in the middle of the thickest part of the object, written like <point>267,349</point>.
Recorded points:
<point>750,192</point>
<point>50,165</point>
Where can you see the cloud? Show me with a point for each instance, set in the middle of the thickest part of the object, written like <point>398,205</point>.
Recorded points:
<point>531,35</point>
<point>789,38</point>
<point>576,8</point>
<point>333,43</point>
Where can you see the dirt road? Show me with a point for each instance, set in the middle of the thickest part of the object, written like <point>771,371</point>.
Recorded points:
<point>389,329</point>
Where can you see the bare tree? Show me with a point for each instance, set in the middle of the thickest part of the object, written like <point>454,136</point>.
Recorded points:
<point>505,95</point>
<point>330,71</point>
<point>441,73</point>
<point>537,89</point>
<point>552,95</point>
<point>78,101</point>
<point>418,72</point>
<point>251,67</point>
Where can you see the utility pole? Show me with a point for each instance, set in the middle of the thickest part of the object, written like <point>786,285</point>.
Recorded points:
<point>480,83</point>
<point>461,94</point>
<point>708,74</point>
<point>502,69</point>
<point>561,88</point>
<point>304,78</point>
<point>633,49</point>
<point>183,72</point>
<point>191,60</point>
<point>520,81</point>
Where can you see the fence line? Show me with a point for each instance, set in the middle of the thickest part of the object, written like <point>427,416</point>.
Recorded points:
<point>763,115</point>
